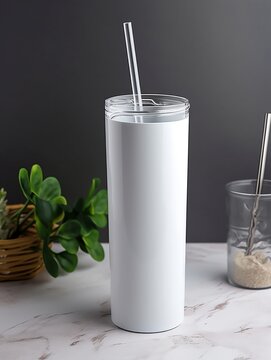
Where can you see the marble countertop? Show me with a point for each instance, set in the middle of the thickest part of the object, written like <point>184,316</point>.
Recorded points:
<point>69,317</point>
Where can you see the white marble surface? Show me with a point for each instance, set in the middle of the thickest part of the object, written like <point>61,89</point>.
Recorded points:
<point>69,317</point>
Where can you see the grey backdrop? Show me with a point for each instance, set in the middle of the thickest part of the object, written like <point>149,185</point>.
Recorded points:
<point>60,59</point>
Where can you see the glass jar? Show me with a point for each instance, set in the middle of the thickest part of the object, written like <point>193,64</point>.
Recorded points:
<point>249,268</point>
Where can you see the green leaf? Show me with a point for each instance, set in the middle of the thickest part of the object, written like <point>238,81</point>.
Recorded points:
<point>60,200</point>
<point>57,206</point>
<point>36,178</point>
<point>83,246</point>
<point>44,211</point>
<point>70,229</point>
<point>91,238</point>
<point>43,231</point>
<point>99,203</point>
<point>95,183</point>
<point>99,219</point>
<point>71,245</point>
<point>49,189</point>
<point>49,261</point>
<point>93,246</point>
<point>68,212</point>
<point>86,223</point>
<point>24,182</point>
<point>96,251</point>
<point>67,261</point>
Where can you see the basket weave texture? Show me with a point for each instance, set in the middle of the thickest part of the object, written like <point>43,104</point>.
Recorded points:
<point>20,258</point>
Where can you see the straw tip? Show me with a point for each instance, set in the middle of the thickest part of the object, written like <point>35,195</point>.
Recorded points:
<point>127,23</point>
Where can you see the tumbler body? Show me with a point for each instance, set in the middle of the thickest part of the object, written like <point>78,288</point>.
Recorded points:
<point>147,160</point>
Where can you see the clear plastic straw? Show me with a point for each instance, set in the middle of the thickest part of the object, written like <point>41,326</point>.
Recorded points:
<point>131,54</point>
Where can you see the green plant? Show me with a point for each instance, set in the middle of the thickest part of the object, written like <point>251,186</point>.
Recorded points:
<point>57,222</point>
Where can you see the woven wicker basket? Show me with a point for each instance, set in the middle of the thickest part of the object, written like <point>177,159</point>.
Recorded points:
<point>20,258</point>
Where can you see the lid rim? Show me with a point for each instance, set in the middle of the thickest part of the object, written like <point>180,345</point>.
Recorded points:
<point>161,103</point>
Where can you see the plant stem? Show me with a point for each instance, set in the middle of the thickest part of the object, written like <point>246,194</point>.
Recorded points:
<point>18,212</point>
<point>55,228</point>
<point>27,217</point>
<point>19,230</point>
<point>27,226</point>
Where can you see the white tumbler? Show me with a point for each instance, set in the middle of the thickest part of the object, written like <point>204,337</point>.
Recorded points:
<point>147,158</point>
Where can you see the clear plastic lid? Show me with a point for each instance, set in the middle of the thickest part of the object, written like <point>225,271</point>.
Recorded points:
<point>152,104</point>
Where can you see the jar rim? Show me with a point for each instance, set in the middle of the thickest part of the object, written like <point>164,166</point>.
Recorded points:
<point>246,182</point>
<point>152,104</point>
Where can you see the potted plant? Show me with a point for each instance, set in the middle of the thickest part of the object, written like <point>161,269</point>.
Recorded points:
<point>46,229</point>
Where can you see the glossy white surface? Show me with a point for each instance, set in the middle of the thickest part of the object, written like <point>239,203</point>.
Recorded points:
<point>147,190</point>
<point>68,318</point>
